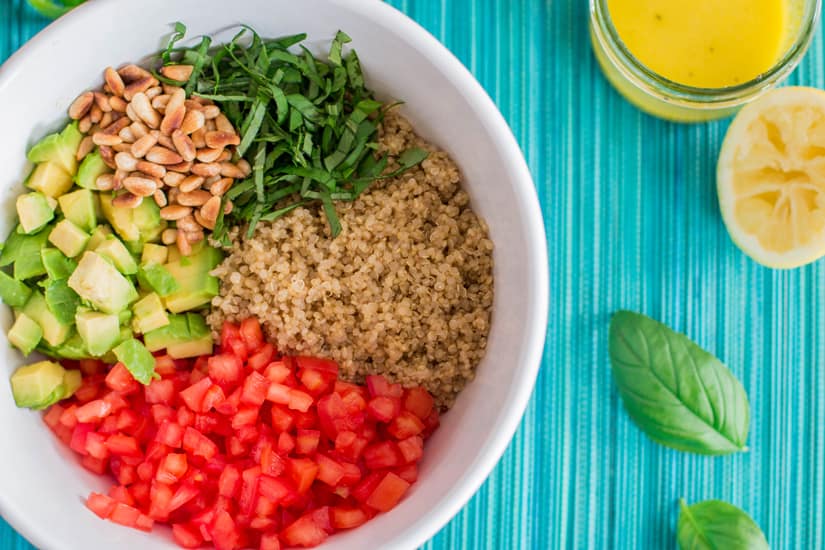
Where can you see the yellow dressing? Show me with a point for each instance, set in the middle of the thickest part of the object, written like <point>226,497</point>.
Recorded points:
<point>703,43</point>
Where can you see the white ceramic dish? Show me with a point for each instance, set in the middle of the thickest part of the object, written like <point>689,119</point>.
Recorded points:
<point>41,485</point>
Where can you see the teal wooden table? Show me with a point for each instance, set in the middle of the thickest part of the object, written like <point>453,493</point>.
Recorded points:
<point>632,222</point>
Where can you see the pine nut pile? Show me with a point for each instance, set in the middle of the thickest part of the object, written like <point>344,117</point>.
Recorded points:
<point>160,144</point>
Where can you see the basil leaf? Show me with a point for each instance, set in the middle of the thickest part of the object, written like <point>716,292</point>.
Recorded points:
<point>714,524</point>
<point>677,393</point>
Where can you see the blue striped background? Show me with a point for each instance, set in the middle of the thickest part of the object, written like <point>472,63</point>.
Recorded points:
<point>632,222</point>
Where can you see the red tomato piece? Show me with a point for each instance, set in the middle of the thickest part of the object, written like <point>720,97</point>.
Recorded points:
<point>194,394</point>
<point>165,366</point>
<point>246,416</point>
<point>307,441</point>
<point>270,541</point>
<point>299,401</point>
<point>277,372</point>
<point>225,369</point>
<point>314,381</point>
<point>327,366</point>
<point>197,444</point>
<point>96,445</point>
<point>91,366</point>
<point>213,398</point>
<point>229,482</point>
<point>408,473</point>
<point>185,493</point>
<point>101,505</point>
<point>121,380</point>
<point>254,389</point>
<point>383,408</point>
<point>145,471</point>
<point>304,532</point>
<point>224,532</point>
<point>274,488</point>
<point>160,391</point>
<point>126,515</point>
<point>405,425</point>
<point>187,535</point>
<point>382,455</point>
<point>286,443</point>
<point>121,494</point>
<point>278,393</point>
<point>282,419</point>
<point>412,448</point>
<point>366,486</point>
<point>79,436</point>
<point>378,385</point>
<point>96,465</point>
<point>329,471</point>
<point>303,472</point>
<point>170,434</point>
<point>251,334</point>
<point>347,518</point>
<point>261,358</point>
<point>350,445</point>
<point>249,488</point>
<point>52,416</point>
<point>230,404</point>
<point>123,445</point>
<point>387,493</point>
<point>93,411</point>
<point>172,468</point>
<point>162,413</point>
<point>419,402</point>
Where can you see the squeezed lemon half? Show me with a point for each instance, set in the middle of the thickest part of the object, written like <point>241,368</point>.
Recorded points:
<point>771,178</point>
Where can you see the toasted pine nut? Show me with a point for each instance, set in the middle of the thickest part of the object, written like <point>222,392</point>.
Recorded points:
<point>206,169</point>
<point>105,120</point>
<point>101,138</point>
<point>140,186</point>
<point>132,72</point>
<point>81,105</point>
<point>166,141</point>
<point>211,111</point>
<point>85,147</point>
<point>115,127</point>
<point>170,89</point>
<point>199,137</point>
<point>223,125</point>
<point>85,124</point>
<point>211,209</point>
<point>184,145</point>
<point>114,81</point>
<point>108,156</point>
<point>118,104</point>
<point>172,194</point>
<point>138,87</point>
<point>210,125</point>
<point>219,140</point>
<point>193,121</point>
<point>160,102</point>
<point>160,198</point>
<point>183,243</point>
<point>227,208</point>
<point>182,167</point>
<point>131,113</point>
<point>175,212</point>
<point>139,129</point>
<point>175,112</point>
<point>225,156</point>
<point>203,221</point>
<point>143,145</point>
<point>122,148</point>
<point>151,169</point>
<point>181,73</point>
<point>105,182</point>
<point>187,223</point>
<point>126,135</point>
<point>221,186</point>
<point>127,200</point>
<point>190,183</point>
<point>244,165</point>
<point>119,176</point>
<point>209,155</point>
<point>173,179</point>
<point>102,101</point>
<point>125,161</point>
<point>143,109</point>
<point>193,198</point>
<point>153,92</point>
<point>95,113</point>
<point>229,170</point>
<point>162,155</point>
<point>168,236</point>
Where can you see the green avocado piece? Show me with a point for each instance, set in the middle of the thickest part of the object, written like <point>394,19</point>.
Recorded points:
<point>38,385</point>
<point>137,359</point>
<point>125,316</point>
<point>61,300</point>
<point>100,331</point>
<point>136,226</point>
<point>50,179</point>
<point>114,250</point>
<point>55,332</point>
<point>61,149</point>
<point>158,279</point>
<point>25,334</point>
<point>100,283</point>
<point>34,211</point>
<point>185,336</point>
<point>73,348</point>
<point>99,235</point>
<point>57,265</point>
<point>72,381</point>
<point>68,238</point>
<point>149,314</point>
<point>80,207</point>
<point>24,252</point>
<point>196,286</point>
<point>154,254</point>
<point>14,293</point>
<point>89,170</point>
<point>176,331</point>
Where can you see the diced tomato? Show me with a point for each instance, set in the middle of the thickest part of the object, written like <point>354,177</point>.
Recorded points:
<point>249,488</point>
<point>123,445</point>
<point>383,408</point>
<point>382,455</point>
<point>230,481</point>
<point>197,444</point>
<point>254,389</point>
<point>303,472</point>
<point>230,404</point>
<point>405,425</point>
<point>431,424</point>
<point>270,541</point>
<point>387,493</point>
<point>362,491</point>
<point>185,416</point>
<point>282,419</point>
<point>96,465</point>
<point>213,398</point>
<point>121,380</point>
<point>224,532</point>
<point>165,366</point>
<point>278,393</point>
<point>329,471</point>
<point>299,401</point>
<point>347,518</point>
<point>314,381</point>
<point>419,402</point>
<point>378,386</point>
<point>69,417</point>
<point>121,494</point>
<point>251,334</point>
<point>89,389</point>
<point>194,394</point>
<point>91,366</point>
<point>101,505</point>
<point>93,411</point>
<point>161,413</point>
<point>304,532</point>
<point>225,369</point>
<point>273,488</point>
<point>184,494</point>
<point>96,445</point>
<point>246,416</point>
<point>160,391</point>
<point>52,416</point>
<point>412,448</point>
<point>277,372</point>
<point>187,535</point>
<point>345,388</point>
<point>170,433</point>
<point>307,441</point>
<point>326,366</point>
<point>350,445</point>
<point>124,514</point>
<point>79,436</point>
<point>261,358</point>
<point>172,468</point>
<point>286,443</point>
<point>145,471</point>
<point>408,473</point>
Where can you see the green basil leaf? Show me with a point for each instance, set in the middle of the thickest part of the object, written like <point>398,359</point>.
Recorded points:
<point>680,395</point>
<point>714,525</point>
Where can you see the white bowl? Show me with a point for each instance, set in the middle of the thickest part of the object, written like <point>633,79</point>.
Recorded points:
<point>42,487</point>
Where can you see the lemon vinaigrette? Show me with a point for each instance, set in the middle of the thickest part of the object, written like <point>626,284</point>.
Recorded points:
<point>693,60</point>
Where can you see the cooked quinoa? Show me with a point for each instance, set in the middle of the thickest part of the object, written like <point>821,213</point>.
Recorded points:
<point>405,290</point>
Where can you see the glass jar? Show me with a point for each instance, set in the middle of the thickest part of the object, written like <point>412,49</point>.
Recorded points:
<point>673,101</point>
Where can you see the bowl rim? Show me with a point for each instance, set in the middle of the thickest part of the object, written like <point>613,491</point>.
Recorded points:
<point>423,528</point>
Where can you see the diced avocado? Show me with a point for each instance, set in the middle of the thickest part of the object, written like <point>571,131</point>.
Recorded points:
<point>73,348</point>
<point>175,332</point>
<point>125,317</point>
<point>137,359</point>
<point>57,265</point>
<point>68,238</point>
<point>136,226</point>
<point>154,254</point>
<point>100,331</point>
<point>197,286</point>
<point>60,149</point>
<point>99,282</point>
<point>25,334</point>
<point>156,278</point>
<point>34,386</point>
<point>61,300</point>
<point>72,381</point>
<point>24,252</point>
<point>149,314</point>
<point>50,179</point>
<point>34,211</point>
<point>80,207</point>
<point>13,292</point>
<point>89,170</point>
<point>184,336</point>
<point>54,331</point>
<point>98,236</point>
<point>113,250</point>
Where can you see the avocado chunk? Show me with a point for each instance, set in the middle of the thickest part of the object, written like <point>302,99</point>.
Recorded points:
<point>61,300</point>
<point>24,252</point>
<point>25,334</point>
<point>185,336</point>
<point>80,207</point>
<point>149,314</point>
<point>100,331</point>
<point>50,179</point>
<point>196,286</point>
<point>68,238</point>
<point>38,385</point>
<point>137,359</point>
<point>89,170</point>
<point>14,293</point>
<point>60,149</point>
<point>154,254</point>
<point>113,250</point>
<point>57,265</point>
<point>55,332</point>
<point>100,283</point>
<point>136,226</point>
<point>34,211</point>
<point>73,348</point>
<point>176,331</point>
<point>98,236</point>
<point>156,278</point>
<point>72,381</point>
